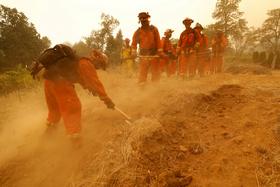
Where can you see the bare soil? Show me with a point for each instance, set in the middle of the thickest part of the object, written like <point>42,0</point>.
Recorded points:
<point>215,131</point>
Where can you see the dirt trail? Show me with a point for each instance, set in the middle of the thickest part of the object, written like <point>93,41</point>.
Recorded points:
<point>219,130</point>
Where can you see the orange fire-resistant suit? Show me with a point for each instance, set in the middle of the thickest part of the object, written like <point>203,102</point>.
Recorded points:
<point>62,100</point>
<point>219,44</point>
<point>149,44</point>
<point>202,53</point>
<point>168,62</point>
<point>187,57</point>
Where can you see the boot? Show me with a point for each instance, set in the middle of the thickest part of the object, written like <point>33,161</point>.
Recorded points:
<point>76,140</point>
<point>51,127</point>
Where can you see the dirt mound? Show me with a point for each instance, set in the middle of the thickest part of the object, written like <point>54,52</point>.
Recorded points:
<point>154,151</point>
<point>248,68</point>
<point>166,149</point>
<point>202,134</point>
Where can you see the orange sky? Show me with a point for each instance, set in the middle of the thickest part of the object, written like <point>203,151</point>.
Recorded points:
<point>70,20</point>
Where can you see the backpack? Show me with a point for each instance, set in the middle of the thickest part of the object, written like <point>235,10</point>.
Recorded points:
<point>52,55</point>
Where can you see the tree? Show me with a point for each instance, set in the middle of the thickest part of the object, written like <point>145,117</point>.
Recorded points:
<point>227,15</point>
<point>245,42</point>
<point>114,47</point>
<point>81,48</point>
<point>210,31</point>
<point>270,31</point>
<point>20,43</point>
<point>98,38</point>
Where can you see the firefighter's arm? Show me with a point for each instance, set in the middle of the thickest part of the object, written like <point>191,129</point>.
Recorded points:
<point>206,41</point>
<point>181,44</point>
<point>90,80</point>
<point>135,40</point>
<point>36,67</point>
<point>158,43</point>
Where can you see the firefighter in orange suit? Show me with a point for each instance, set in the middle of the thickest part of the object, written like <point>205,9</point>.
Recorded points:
<point>185,50</point>
<point>148,38</point>
<point>219,44</point>
<point>62,69</point>
<point>166,63</point>
<point>202,52</point>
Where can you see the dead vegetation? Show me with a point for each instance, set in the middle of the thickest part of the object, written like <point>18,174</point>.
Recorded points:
<point>221,130</point>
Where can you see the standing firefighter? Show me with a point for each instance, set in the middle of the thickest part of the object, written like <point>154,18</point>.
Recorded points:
<point>185,50</point>
<point>167,62</point>
<point>219,44</point>
<point>148,38</point>
<point>62,69</point>
<point>202,52</point>
<point>127,59</point>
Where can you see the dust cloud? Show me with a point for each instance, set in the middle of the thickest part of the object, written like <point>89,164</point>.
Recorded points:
<point>170,139</point>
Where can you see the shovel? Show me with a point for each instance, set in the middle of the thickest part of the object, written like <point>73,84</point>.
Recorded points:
<point>127,118</point>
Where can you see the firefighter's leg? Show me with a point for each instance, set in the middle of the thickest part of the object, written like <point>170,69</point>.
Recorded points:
<point>163,63</point>
<point>192,64</point>
<point>70,106</point>
<point>182,65</point>
<point>143,70</point>
<point>53,108</point>
<point>173,67</point>
<point>155,69</point>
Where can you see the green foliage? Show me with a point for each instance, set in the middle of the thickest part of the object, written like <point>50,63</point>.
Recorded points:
<point>98,38</point>
<point>14,80</point>
<point>81,48</point>
<point>230,21</point>
<point>210,31</point>
<point>20,43</point>
<point>245,41</point>
<point>114,47</point>
<point>103,40</point>
<point>270,31</point>
<point>228,16</point>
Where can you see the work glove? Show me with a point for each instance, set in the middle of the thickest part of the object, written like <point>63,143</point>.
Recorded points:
<point>109,103</point>
<point>196,45</point>
<point>162,54</point>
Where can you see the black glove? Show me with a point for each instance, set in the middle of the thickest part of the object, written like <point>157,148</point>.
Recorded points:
<point>109,103</point>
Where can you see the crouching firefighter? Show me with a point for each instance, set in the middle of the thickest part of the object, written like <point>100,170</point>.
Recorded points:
<point>62,69</point>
